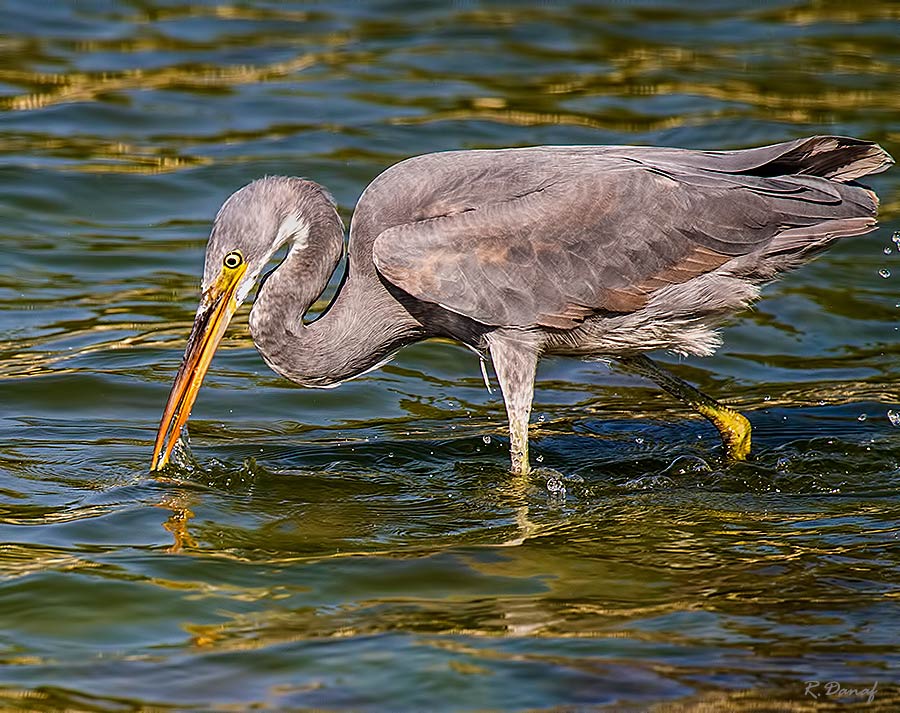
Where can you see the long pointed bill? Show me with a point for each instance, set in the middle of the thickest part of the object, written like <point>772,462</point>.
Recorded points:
<point>217,306</point>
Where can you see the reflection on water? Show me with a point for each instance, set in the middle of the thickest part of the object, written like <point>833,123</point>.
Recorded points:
<point>364,548</point>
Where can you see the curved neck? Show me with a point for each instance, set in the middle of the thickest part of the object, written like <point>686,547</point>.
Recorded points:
<point>360,330</point>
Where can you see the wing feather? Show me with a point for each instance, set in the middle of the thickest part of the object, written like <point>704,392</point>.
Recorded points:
<point>600,232</point>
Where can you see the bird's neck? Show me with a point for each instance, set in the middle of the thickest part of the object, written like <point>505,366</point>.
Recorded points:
<point>360,330</point>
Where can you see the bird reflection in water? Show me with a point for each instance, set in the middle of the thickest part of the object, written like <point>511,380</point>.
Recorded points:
<point>177,522</point>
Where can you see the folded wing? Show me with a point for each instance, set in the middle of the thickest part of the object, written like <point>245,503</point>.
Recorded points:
<point>551,235</point>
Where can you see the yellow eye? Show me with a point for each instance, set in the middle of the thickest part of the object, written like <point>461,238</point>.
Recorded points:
<point>233,260</point>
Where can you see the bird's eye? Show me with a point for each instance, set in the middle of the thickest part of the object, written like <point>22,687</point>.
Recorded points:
<point>233,260</point>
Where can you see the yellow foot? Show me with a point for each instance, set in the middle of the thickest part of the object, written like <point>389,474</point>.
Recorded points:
<point>733,427</point>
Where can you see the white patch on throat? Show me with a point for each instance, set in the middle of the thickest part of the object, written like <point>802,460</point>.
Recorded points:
<point>294,228</point>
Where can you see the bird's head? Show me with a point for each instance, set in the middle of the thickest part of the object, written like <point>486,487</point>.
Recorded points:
<point>248,230</point>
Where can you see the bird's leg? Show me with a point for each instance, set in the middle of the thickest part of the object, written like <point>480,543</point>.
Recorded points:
<point>515,363</point>
<point>732,426</point>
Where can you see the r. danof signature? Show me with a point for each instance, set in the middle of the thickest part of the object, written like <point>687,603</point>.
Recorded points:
<point>834,689</point>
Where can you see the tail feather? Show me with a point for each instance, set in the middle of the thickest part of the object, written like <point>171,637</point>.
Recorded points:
<point>809,187</point>
<point>794,247</point>
<point>802,243</point>
<point>840,158</point>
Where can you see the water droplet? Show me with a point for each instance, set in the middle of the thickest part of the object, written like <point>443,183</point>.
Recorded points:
<point>390,455</point>
<point>683,465</point>
<point>649,482</point>
<point>639,440</point>
<point>861,417</point>
<point>540,459</point>
<point>894,417</point>
<point>896,238</point>
<point>887,250</point>
<point>486,439</point>
<point>884,272</point>
<point>767,398</point>
<point>555,486</point>
<point>783,463</point>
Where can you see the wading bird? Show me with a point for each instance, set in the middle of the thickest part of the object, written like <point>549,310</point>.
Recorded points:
<point>586,251</point>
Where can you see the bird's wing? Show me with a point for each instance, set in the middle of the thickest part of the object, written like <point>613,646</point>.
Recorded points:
<point>839,158</point>
<point>601,235</point>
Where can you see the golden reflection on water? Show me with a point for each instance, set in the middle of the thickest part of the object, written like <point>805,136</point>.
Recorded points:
<point>791,108</point>
<point>22,560</point>
<point>82,87</point>
<point>850,13</point>
<point>526,118</point>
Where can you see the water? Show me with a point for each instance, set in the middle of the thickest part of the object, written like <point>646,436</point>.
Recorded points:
<point>364,549</point>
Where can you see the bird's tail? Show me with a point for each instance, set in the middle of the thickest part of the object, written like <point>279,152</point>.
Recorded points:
<point>839,158</point>
<point>833,163</point>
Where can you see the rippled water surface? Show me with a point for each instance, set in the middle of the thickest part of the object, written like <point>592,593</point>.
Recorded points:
<point>364,548</point>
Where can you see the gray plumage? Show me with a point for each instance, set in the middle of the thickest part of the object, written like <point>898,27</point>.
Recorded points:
<point>592,251</point>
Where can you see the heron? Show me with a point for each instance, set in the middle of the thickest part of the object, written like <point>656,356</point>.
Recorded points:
<point>594,252</point>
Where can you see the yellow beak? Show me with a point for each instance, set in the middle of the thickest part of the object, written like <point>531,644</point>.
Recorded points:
<point>217,306</point>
